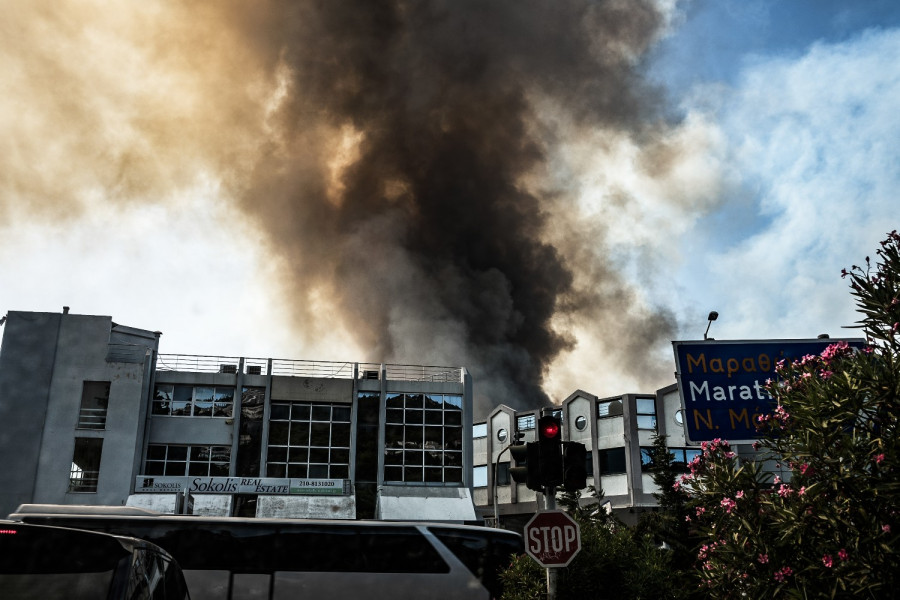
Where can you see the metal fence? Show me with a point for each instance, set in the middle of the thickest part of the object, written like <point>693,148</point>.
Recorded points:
<point>306,368</point>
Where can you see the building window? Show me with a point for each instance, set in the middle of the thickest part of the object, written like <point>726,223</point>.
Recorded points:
<point>479,430</point>
<point>193,401</point>
<point>85,471</point>
<point>525,423</point>
<point>309,440</point>
<point>94,404</point>
<point>612,461</point>
<point>580,423</point>
<point>646,413</point>
<point>682,457</point>
<point>479,476</point>
<point>502,435</point>
<point>178,460</point>
<point>503,473</point>
<point>423,438</point>
<point>609,408</point>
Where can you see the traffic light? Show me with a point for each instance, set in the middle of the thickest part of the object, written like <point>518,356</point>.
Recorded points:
<point>574,468</point>
<point>550,451</point>
<point>527,461</point>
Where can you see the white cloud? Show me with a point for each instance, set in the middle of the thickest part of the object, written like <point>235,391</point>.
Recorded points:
<point>815,141</point>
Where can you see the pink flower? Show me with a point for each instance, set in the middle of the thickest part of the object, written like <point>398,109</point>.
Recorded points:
<point>878,459</point>
<point>763,558</point>
<point>842,554</point>
<point>827,561</point>
<point>728,504</point>
<point>886,528</point>
<point>804,468</point>
<point>700,510</point>
<point>784,491</point>
<point>739,494</point>
<point>802,490</point>
<point>777,480</point>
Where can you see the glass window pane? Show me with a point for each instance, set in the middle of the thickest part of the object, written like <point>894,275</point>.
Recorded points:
<point>395,400</point>
<point>434,475</point>
<point>299,434</point>
<point>280,412</point>
<point>318,455</point>
<point>278,433</point>
<point>298,455</point>
<point>394,415</point>
<point>175,468</point>
<point>277,454</point>
<point>218,469</point>
<point>276,470</point>
<point>393,435</point>
<point>321,412</point>
<point>414,400</point>
<point>177,453</point>
<point>300,411</point>
<point>340,435</point>
<point>319,434</point>
<point>453,401</point>
<point>297,470</point>
<point>646,422</point>
<point>393,473</point>
<point>198,469</point>
<point>340,456</point>
<point>646,406</point>
<point>156,452</point>
<point>453,475</point>
<point>454,418</point>
<point>434,417</point>
<point>479,478</point>
<point>340,414</point>
<point>393,457</point>
<point>154,468</point>
<point>479,430</point>
<point>318,471</point>
<point>339,471</point>
<point>200,453</point>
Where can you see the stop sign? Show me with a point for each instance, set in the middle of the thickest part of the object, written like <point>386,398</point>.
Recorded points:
<point>552,538</point>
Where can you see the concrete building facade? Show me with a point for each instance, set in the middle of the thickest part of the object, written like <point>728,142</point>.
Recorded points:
<point>94,414</point>
<point>617,432</point>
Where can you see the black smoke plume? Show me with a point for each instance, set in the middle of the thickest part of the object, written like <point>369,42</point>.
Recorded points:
<point>395,175</point>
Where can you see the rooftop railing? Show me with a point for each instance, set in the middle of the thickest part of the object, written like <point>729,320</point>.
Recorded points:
<point>305,368</point>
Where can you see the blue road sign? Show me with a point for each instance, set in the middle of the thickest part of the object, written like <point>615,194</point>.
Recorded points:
<point>722,383</point>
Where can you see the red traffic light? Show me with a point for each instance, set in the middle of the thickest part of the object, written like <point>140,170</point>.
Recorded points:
<point>548,428</point>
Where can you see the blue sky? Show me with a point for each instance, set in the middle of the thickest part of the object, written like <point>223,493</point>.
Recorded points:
<point>787,170</point>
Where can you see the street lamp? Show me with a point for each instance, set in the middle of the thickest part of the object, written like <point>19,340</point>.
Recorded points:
<point>713,315</point>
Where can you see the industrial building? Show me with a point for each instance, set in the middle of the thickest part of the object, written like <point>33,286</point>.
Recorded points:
<point>93,413</point>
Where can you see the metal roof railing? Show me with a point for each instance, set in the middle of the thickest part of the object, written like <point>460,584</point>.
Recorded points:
<point>306,368</point>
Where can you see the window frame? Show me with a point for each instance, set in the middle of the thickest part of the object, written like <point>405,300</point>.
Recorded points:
<point>301,455</point>
<point>423,439</point>
<point>219,405</point>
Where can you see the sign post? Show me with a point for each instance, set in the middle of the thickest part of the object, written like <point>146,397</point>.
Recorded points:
<point>552,538</point>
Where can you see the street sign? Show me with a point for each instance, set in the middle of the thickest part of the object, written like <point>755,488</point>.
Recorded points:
<point>552,538</point>
<point>722,383</point>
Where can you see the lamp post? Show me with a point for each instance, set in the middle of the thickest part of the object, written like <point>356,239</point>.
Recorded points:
<point>713,315</point>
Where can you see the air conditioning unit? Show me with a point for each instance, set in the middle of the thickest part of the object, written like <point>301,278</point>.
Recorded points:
<point>254,370</point>
<point>227,368</point>
<point>370,375</point>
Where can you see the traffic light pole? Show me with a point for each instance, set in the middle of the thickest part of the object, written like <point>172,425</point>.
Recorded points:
<point>552,572</point>
<point>494,487</point>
